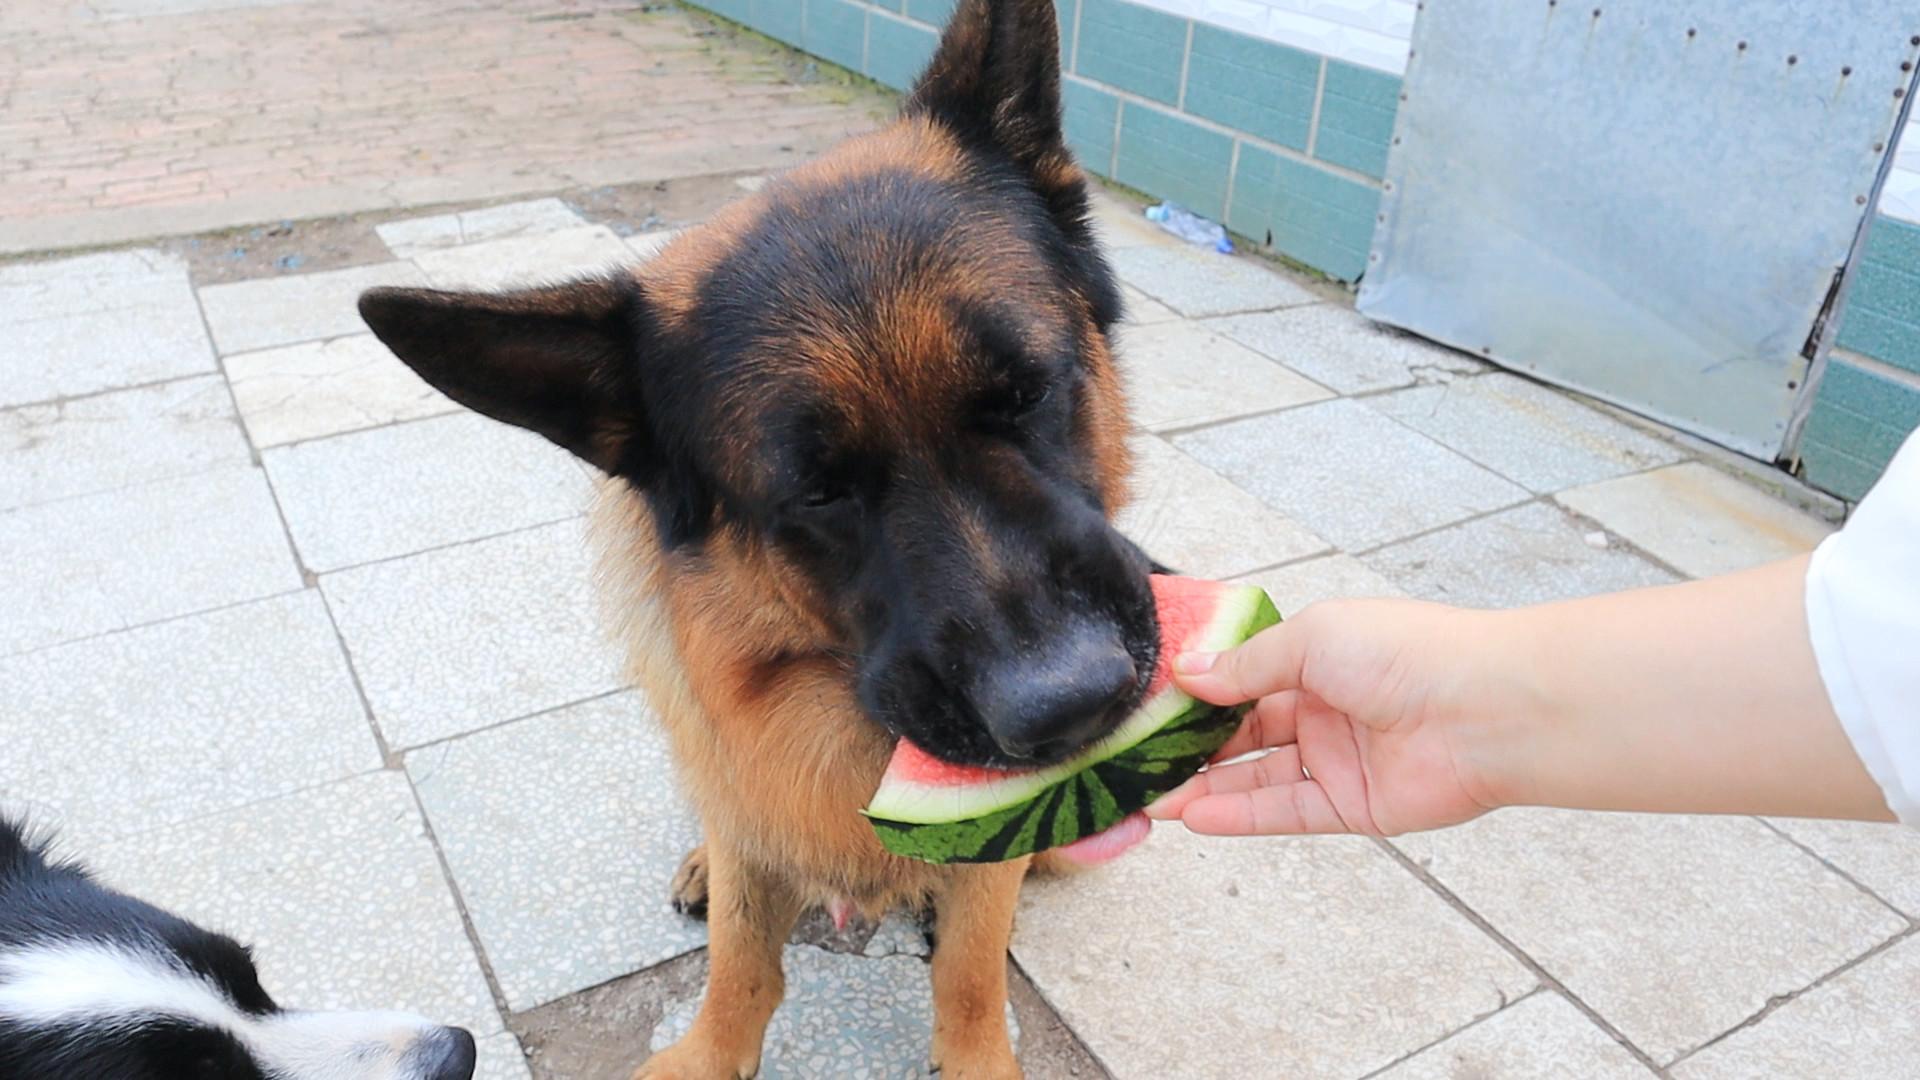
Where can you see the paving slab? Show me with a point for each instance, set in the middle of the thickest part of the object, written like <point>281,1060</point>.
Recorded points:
<point>526,260</point>
<point>1197,282</point>
<point>1675,929</point>
<point>1295,957</point>
<point>1531,554</point>
<point>338,891</point>
<point>1538,438</point>
<point>408,487</point>
<point>1698,520</point>
<point>1883,858</point>
<point>844,1018</point>
<point>1348,473</point>
<point>1860,1024</point>
<point>408,237</point>
<point>1144,310</point>
<point>500,1058</point>
<point>97,322</point>
<point>1194,521</point>
<point>83,446</point>
<point>1179,375</point>
<point>1336,346</point>
<point>1330,577</point>
<point>564,832</point>
<point>1119,224</point>
<point>104,562</point>
<point>154,726</point>
<point>321,388</point>
<point>249,315</point>
<point>469,636</point>
<point>1542,1037</point>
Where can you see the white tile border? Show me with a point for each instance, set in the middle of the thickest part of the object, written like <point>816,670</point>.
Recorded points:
<point>1370,33</point>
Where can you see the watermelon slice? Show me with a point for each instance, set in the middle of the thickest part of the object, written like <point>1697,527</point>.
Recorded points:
<point>939,812</point>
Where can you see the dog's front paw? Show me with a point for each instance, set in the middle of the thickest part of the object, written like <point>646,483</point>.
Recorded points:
<point>689,888</point>
<point>691,1060</point>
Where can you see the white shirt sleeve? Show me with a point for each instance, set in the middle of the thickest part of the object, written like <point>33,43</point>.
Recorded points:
<point>1863,613</point>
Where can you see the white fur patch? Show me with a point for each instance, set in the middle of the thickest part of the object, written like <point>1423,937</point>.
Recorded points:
<point>97,989</point>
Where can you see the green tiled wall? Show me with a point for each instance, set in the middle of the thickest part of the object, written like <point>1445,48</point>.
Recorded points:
<point>1869,399</point>
<point>1166,105</point>
<point>1253,86</point>
<point>1131,47</point>
<point>1174,158</point>
<point>897,50</point>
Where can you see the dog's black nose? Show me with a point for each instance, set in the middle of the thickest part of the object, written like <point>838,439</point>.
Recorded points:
<point>1047,704</point>
<point>446,1054</point>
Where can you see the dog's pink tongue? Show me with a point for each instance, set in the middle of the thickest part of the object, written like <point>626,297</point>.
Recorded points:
<point>1107,845</point>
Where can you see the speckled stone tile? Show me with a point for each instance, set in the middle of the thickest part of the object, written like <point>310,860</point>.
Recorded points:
<point>526,260</point>
<point>1531,554</point>
<point>322,388</point>
<point>105,562</point>
<point>1675,929</point>
<point>1538,438</point>
<point>1197,282</point>
<point>500,1058</point>
<point>648,244</point>
<point>394,490</point>
<point>1336,346</point>
<point>1179,375</point>
<point>898,935</point>
<point>1860,1025</point>
<point>87,445</point>
<point>469,636</point>
<point>1144,310</point>
<point>1348,473</point>
<point>844,1018</point>
<point>1315,957</point>
<point>1698,520</point>
<point>260,314</point>
<point>1195,522</point>
<point>337,890</point>
<point>1883,858</point>
<point>97,322</point>
<point>1541,1038</point>
<point>564,831</point>
<point>412,236</point>
<point>1330,577</point>
<point>189,717</point>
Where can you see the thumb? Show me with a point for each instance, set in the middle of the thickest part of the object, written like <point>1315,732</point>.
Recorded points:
<point>1266,663</point>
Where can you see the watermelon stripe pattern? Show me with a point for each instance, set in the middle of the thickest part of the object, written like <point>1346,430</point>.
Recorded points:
<point>1094,798</point>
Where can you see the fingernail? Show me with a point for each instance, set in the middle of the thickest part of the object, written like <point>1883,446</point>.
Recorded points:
<point>1194,663</point>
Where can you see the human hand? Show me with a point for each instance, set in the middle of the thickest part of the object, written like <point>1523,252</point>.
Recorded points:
<point>1370,716</point>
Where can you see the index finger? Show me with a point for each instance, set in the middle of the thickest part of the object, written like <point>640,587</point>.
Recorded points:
<point>1266,663</point>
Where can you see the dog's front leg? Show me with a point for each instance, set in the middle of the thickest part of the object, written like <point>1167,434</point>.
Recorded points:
<point>750,912</point>
<point>974,919</point>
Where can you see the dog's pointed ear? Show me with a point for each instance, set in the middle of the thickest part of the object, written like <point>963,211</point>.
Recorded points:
<point>996,77</point>
<point>557,360</point>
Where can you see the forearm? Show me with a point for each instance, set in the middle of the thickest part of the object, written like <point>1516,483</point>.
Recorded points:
<point>1703,697</point>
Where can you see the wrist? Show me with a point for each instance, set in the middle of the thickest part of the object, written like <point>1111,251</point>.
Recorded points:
<point>1505,713</point>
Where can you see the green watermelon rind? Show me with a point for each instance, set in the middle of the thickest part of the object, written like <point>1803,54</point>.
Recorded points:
<point>1101,787</point>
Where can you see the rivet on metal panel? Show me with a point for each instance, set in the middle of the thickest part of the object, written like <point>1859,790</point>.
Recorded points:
<point>1793,384</point>
<point>1693,32</point>
<point>1879,148</point>
<point>1396,140</point>
<point>1486,350</point>
<point>1388,185</point>
<point>1743,46</point>
<point>1792,60</point>
<point>1596,13</point>
<point>1403,95</point>
<point>1914,40</point>
<point>1846,71</point>
<point>1906,65</point>
<point>1373,257</point>
<point>1860,200</point>
<point>1899,92</point>
<point>1382,218</point>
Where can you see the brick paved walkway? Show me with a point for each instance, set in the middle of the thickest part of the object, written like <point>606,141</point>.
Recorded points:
<point>124,119</point>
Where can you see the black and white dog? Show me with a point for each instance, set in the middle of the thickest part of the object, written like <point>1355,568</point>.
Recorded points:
<point>96,985</point>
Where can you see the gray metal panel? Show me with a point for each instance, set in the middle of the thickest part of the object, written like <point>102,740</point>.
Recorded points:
<point>1646,200</point>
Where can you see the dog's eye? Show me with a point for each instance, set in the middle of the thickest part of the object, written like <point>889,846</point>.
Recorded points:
<point>823,495</point>
<point>1025,399</point>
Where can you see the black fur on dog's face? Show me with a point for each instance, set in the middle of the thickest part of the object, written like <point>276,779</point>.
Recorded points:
<point>890,374</point>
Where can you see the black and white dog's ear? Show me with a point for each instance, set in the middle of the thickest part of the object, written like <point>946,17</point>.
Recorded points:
<point>556,360</point>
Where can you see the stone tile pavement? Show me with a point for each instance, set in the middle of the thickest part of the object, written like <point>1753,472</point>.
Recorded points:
<point>290,644</point>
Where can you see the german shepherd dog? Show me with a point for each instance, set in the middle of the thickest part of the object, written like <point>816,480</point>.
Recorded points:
<point>863,436</point>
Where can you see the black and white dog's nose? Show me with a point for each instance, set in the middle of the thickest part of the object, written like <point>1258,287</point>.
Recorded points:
<point>443,1054</point>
